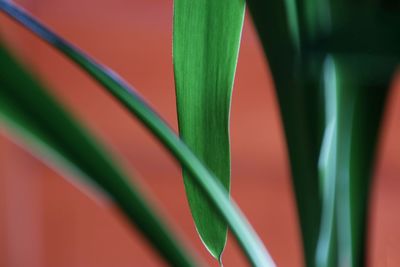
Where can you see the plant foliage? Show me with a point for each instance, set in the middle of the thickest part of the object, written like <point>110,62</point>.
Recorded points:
<point>205,49</point>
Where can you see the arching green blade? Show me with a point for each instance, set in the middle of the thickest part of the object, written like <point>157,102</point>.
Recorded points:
<point>250,243</point>
<point>205,48</point>
<point>27,108</point>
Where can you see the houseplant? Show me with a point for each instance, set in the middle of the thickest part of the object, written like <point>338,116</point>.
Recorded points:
<point>300,76</point>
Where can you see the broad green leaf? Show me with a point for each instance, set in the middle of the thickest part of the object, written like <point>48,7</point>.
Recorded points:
<point>250,243</point>
<point>362,86</point>
<point>206,39</point>
<point>298,86</point>
<point>35,115</point>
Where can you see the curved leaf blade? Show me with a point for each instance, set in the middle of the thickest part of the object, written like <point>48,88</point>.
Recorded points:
<point>206,39</point>
<point>250,243</point>
<point>29,110</point>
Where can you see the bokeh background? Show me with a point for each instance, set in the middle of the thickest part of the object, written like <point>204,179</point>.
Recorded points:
<point>45,220</point>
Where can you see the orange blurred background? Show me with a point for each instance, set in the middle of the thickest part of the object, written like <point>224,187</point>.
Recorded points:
<point>46,221</point>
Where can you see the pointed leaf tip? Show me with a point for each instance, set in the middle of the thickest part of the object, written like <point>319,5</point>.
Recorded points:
<point>206,44</point>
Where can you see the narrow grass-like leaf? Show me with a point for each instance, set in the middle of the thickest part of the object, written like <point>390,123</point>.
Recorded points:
<point>298,87</point>
<point>251,244</point>
<point>362,86</point>
<point>205,48</point>
<point>326,252</point>
<point>27,108</point>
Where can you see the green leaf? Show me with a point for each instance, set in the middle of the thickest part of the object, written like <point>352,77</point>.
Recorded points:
<point>34,114</point>
<point>206,43</point>
<point>362,86</point>
<point>250,243</point>
<point>354,30</point>
<point>298,86</point>
<point>326,248</point>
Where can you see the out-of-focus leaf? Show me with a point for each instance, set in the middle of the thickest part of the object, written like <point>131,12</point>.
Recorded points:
<point>326,248</point>
<point>362,86</point>
<point>376,34</point>
<point>251,244</point>
<point>206,42</point>
<point>354,29</point>
<point>297,35</point>
<point>297,84</point>
<point>27,108</point>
